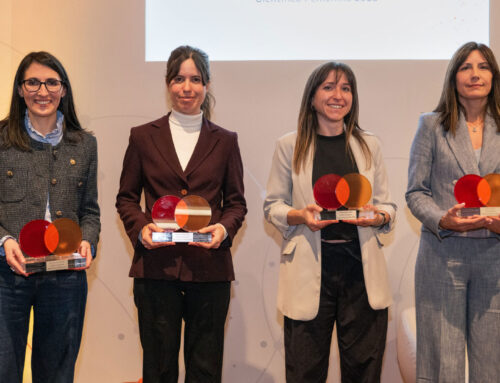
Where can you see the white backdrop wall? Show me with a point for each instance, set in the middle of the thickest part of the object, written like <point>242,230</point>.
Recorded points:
<point>101,44</point>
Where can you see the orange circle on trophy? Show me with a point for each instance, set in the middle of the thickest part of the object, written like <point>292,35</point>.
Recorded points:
<point>493,180</point>
<point>360,191</point>
<point>342,191</point>
<point>63,236</point>
<point>192,213</point>
<point>324,191</point>
<point>31,238</point>
<point>163,212</point>
<point>466,190</point>
<point>484,191</point>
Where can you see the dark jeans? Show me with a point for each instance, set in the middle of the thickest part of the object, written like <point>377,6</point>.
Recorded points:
<point>161,306</point>
<point>58,299</point>
<point>361,331</point>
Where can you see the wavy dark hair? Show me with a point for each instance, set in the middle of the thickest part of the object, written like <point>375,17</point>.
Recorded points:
<point>449,107</point>
<point>200,58</point>
<point>307,126</point>
<point>12,131</point>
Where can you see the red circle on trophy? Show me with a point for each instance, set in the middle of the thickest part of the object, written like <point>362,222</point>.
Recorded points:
<point>466,190</point>
<point>360,191</point>
<point>63,236</point>
<point>163,212</point>
<point>324,191</point>
<point>493,181</point>
<point>31,238</point>
<point>192,213</point>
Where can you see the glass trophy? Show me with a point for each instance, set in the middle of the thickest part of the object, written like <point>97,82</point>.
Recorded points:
<point>190,214</point>
<point>352,191</point>
<point>481,195</point>
<point>51,246</point>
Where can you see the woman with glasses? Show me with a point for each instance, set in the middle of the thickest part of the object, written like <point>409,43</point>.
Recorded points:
<point>48,170</point>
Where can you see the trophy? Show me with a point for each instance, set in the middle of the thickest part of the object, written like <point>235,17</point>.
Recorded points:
<point>51,246</point>
<point>352,191</point>
<point>190,213</point>
<point>481,195</point>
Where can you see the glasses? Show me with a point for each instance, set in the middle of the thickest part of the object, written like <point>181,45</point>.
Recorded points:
<point>51,84</point>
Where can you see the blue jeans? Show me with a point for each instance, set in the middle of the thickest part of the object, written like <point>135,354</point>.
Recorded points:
<point>58,299</point>
<point>457,294</point>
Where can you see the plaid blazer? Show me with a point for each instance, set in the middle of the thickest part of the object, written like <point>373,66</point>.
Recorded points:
<point>66,174</point>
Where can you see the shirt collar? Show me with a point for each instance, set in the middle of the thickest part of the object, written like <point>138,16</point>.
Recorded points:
<point>53,137</point>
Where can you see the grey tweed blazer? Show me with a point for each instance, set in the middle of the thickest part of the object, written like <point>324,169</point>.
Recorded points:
<point>67,173</point>
<point>438,159</point>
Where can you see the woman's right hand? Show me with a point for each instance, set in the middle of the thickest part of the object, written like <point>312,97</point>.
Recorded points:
<point>309,216</point>
<point>451,220</point>
<point>14,256</point>
<point>147,239</point>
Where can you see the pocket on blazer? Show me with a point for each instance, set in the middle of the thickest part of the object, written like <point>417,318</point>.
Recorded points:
<point>13,183</point>
<point>288,247</point>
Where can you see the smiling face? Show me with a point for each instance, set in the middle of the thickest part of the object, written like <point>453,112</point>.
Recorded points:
<point>42,103</point>
<point>333,100</point>
<point>186,89</point>
<point>473,79</point>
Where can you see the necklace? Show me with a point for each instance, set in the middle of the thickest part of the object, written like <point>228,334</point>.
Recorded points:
<point>475,126</point>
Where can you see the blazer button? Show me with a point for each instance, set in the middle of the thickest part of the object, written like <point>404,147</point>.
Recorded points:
<point>59,213</point>
<point>80,184</point>
<point>10,173</point>
<point>53,181</point>
<point>72,161</point>
<point>184,192</point>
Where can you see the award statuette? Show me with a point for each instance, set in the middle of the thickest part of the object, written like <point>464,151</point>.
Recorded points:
<point>481,195</point>
<point>190,213</point>
<point>51,246</point>
<point>352,191</point>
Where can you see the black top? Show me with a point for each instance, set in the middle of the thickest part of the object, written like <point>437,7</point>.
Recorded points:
<point>331,157</point>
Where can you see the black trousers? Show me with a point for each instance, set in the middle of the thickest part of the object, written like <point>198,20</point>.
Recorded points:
<point>161,306</point>
<point>361,331</point>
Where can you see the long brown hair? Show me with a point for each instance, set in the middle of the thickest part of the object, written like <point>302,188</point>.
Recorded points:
<point>12,131</point>
<point>200,58</point>
<point>449,107</point>
<point>307,126</point>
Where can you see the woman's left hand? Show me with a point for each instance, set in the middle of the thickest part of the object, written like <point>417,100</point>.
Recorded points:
<point>217,232</point>
<point>85,250</point>
<point>377,220</point>
<point>493,224</point>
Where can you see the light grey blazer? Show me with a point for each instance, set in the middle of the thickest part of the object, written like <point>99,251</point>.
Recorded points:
<point>438,159</point>
<point>300,266</point>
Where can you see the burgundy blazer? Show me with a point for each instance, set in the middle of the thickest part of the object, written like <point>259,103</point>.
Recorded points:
<point>215,172</point>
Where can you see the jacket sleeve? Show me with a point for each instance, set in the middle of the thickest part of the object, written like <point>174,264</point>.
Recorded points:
<point>381,194</point>
<point>129,195</point>
<point>89,212</point>
<point>278,200</point>
<point>234,206</point>
<point>419,191</point>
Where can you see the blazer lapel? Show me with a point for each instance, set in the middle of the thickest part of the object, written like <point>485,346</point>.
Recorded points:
<point>206,142</point>
<point>162,141</point>
<point>461,146</point>
<point>488,162</point>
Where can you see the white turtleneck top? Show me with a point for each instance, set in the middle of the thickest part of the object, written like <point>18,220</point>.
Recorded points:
<point>185,131</point>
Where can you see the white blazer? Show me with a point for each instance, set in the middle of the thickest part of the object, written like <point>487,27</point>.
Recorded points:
<point>300,266</point>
